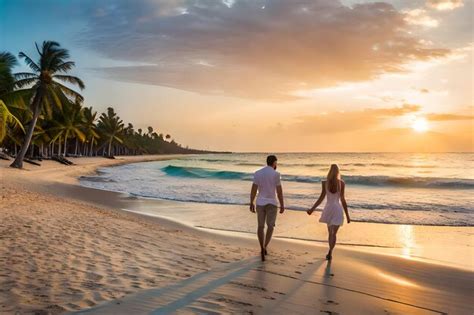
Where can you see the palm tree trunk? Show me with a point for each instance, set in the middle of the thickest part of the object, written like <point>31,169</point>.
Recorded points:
<point>75,150</point>
<point>59,146</point>
<point>110,147</point>
<point>92,146</point>
<point>18,162</point>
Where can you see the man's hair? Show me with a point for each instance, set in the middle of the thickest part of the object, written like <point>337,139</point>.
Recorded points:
<point>271,159</point>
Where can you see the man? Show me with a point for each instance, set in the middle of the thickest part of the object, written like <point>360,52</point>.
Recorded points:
<point>267,182</point>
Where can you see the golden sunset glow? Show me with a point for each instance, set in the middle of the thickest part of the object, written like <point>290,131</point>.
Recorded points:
<point>237,156</point>
<point>332,75</point>
<point>420,125</point>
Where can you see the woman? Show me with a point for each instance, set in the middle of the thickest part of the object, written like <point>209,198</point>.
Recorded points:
<point>332,214</point>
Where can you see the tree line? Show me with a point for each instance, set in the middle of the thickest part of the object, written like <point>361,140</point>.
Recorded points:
<point>43,116</point>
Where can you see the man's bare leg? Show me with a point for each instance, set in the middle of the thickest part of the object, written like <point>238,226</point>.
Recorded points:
<point>261,235</point>
<point>268,237</point>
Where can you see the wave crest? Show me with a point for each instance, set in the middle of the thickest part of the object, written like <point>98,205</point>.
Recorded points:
<point>419,182</point>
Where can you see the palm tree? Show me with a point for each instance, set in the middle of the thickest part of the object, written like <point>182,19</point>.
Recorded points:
<point>7,118</point>
<point>110,127</point>
<point>7,62</point>
<point>40,137</point>
<point>150,131</point>
<point>43,82</point>
<point>68,124</point>
<point>7,80</point>
<point>90,129</point>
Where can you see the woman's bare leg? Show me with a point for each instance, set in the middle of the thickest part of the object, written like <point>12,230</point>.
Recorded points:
<point>329,238</point>
<point>332,237</point>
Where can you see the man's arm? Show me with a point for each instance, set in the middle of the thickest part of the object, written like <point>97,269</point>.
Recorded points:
<point>280,198</point>
<point>253,193</point>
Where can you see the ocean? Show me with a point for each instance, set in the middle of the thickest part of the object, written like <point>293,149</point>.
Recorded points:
<point>391,188</point>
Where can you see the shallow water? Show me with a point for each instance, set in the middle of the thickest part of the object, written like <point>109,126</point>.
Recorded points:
<point>396,188</point>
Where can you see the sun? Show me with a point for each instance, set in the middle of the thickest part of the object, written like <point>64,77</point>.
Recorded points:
<point>420,125</point>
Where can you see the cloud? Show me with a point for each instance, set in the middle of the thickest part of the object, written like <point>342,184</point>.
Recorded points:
<point>448,117</point>
<point>238,48</point>
<point>420,17</point>
<point>365,119</point>
<point>444,5</point>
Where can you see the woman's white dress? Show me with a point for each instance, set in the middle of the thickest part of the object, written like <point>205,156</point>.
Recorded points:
<point>333,213</point>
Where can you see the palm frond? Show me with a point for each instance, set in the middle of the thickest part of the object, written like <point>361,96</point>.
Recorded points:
<point>57,58</point>
<point>56,96</point>
<point>6,117</point>
<point>65,66</point>
<point>16,99</point>
<point>29,62</point>
<point>8,59</point>
<point>69,92</point>
<point>119,140</point>
<point>79,134</point>
<point>70,79</point>
<point>7,80</point>
<point>47,107</point>
<point>24,75</point>
<point>24,82</point>
<point>53,55</point>
<point>56,136</point>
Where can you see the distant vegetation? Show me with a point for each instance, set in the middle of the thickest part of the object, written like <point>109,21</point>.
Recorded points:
<point>43,116</point>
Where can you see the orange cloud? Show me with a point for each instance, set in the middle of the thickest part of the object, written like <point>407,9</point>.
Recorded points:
<point>443,5</point>
<point>242,48</point>
<point>420,17</point>
<point>336,122</point>
<point>448,117</point>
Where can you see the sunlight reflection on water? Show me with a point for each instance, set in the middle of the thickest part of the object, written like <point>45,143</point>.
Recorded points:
<point>407,240</point>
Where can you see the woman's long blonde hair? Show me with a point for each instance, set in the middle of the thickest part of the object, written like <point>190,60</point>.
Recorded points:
<point>333,178</point>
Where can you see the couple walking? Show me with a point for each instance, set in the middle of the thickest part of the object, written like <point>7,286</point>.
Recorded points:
<point>267,184</point>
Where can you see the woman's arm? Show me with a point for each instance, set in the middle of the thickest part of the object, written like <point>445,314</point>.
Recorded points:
<point>320,199</point>
<point>343,201</point>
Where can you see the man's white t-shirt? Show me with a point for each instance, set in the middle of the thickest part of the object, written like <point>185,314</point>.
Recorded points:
<point>267,180</point>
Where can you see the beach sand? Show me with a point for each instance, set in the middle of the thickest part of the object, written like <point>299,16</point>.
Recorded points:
<point>67,248</point>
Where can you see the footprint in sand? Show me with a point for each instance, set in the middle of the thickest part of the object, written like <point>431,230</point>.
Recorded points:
<point>329,302</point>
<point>329,312</point>
<point>249,286</point>
<point>269,298</point>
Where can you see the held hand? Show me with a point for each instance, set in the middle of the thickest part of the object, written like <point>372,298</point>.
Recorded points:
<point>282,209</point>
<point>310,211</point>
<point>252,208</point>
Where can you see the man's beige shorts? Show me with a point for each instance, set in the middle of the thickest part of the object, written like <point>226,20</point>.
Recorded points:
<point>267,213</point>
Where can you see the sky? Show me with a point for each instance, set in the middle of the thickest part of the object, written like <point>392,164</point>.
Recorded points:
<point>269,75</point>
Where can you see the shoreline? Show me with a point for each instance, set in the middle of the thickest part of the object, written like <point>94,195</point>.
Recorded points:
<point>413,244</point>
<point>73,177</point>
<point>423,277</point>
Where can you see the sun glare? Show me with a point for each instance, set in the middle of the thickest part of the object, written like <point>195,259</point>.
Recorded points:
<point>420,125</point>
